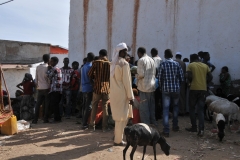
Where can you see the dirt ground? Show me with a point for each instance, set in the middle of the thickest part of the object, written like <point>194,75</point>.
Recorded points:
<point>67,141</point>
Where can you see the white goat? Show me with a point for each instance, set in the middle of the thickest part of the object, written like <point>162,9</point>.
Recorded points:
<point>212,98</point>
<point>209,100</point>
<point>225,107</point>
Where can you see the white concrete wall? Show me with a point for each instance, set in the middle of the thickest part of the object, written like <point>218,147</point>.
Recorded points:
<point>187,26</point>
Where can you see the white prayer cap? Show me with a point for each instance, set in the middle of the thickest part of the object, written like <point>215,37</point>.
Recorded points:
<point>178,53</point>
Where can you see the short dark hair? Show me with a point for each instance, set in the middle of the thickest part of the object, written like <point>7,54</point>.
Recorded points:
<point>185,60</point>
<point>46,58</point>
<point>178,56</point>
<point>65,58</point>
<point>194,57</point>
<point>205,54</point>
<point>85,59</point>
<point>141,50</point>
<point>55,59</point>
<point>90,56</point>
<point>226,68</point>
<point>96,58</point>
<point>200,54</point>
<point>128,55</point>
<point>103,52</point>
<point>168,53</point>
<point>75,62</point>
<point>154,51</point>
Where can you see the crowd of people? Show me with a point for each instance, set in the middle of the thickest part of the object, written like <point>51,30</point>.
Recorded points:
<point>151,85</point>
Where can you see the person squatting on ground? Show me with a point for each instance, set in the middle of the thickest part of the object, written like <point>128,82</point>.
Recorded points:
<point>198,74</point>
<point>170,77</point>
<point>66,88</point>
<point>100,75</point>
<point>120,79</point>
<point>42,84</point>
<point>146,72</point>
<point>54,74</point>
<point>87,90</point>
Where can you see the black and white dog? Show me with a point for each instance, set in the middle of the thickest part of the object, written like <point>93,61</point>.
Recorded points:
<point>142,135</point>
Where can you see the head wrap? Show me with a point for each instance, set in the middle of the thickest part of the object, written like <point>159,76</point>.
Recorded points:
<point>115,56</point>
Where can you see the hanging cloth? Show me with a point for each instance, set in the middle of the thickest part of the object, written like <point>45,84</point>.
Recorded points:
<point>5,112</point>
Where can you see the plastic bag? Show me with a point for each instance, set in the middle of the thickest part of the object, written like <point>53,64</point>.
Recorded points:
<point>23,125</point>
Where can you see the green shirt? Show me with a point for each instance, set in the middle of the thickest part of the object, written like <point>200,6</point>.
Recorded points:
<point>199,75</point>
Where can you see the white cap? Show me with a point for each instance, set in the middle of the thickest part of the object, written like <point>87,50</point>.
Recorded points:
<point>178,53</point>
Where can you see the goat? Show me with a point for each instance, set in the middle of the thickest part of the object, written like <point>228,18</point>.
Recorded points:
<point>220,121</point>
<point>212,98</point>
<point>141,134</point>
<point>209,100</point>
<point>225,107</point>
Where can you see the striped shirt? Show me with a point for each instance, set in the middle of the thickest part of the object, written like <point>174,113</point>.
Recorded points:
<point>55,76</point>
<point>100,73</point>
<point>170,76</point>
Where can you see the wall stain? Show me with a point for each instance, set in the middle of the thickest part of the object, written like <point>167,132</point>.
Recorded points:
<point>135,20</point>
<point>109,24</point>
<point>166,2</point>
<point>201,4</point>
<point>175,24</point>
<point>85,15</point>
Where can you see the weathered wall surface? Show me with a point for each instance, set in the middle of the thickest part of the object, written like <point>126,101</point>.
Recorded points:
<point>22,52</point>
<point>187,26</point>
<point>13,77</point>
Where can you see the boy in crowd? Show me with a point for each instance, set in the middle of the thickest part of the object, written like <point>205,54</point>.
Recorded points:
<point>206,60</point>
<point>100,75</point>
<point>55,76</point>
<point>66,88</point>
<point>87,90</point>
<point>74,85</point>
<point>43,88</point>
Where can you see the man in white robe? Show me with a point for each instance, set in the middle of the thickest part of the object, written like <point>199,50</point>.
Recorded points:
<point>121,94</point>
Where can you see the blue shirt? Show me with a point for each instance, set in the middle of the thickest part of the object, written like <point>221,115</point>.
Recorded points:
<point>170,76</point>
<point>85,80</point>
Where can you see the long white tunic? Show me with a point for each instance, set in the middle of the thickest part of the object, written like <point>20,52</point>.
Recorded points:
<point>121,91</point>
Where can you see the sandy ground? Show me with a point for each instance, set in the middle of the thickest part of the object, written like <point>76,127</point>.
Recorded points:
<point>67,141</point>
